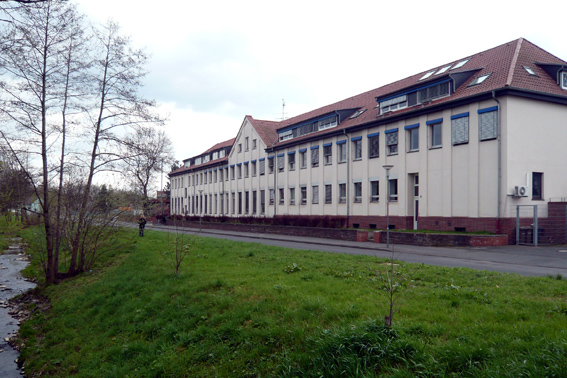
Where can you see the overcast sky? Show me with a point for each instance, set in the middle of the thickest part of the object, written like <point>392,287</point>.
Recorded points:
<point>213,62</point>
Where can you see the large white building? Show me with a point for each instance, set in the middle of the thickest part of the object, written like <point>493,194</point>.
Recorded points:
<point>467,142</point>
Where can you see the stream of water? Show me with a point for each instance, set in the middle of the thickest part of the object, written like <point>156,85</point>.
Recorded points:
<point>11,284</point>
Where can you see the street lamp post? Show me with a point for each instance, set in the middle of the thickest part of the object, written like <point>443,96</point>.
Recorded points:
<point>387,168</point>
<point>201,208</point>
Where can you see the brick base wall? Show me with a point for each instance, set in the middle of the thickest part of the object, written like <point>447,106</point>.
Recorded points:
<point>324,233</point>
<point>455,240</point>
<point>554,226</point>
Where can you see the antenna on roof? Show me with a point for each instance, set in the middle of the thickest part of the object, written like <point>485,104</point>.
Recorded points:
<point>283,109</point>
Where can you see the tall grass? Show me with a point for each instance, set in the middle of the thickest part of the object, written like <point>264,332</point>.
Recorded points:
<point>249,310</point>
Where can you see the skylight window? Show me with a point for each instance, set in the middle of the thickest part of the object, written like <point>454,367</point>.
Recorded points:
<point>529,70</point>
<point>479,80</point>
<point>460,64</point>
<point>356,114</point>
<point>427,75</point>
<point>443,70</point>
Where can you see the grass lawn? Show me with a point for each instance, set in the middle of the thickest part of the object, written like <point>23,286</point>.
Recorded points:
<point>249,310</point>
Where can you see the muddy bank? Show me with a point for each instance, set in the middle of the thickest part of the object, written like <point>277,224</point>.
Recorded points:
<point>11,284</point>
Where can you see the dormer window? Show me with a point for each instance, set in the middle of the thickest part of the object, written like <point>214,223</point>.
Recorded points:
<point>392,104</point>
<point>308,128</point>
<point>564,79</point>
<point>416,96</point>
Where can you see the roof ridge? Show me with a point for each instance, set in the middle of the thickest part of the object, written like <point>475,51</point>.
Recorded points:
<point>514,62</point>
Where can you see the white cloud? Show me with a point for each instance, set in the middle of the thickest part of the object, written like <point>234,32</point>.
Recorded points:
<point>214,62</point>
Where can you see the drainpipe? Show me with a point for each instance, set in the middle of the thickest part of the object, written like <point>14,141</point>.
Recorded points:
<point>275,181</point>
<point>499,158</point>
<point>348,177</point>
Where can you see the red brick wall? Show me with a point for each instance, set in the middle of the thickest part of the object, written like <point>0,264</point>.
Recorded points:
<point>456,240</point>
<point>325,233</point>
<point>554,226</point>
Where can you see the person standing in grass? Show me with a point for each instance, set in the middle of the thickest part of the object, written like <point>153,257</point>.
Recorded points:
<point>142,224</point>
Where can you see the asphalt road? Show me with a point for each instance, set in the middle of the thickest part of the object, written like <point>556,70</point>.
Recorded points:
<point>524,260</point>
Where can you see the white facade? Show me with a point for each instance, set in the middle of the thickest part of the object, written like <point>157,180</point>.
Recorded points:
<point>460,156</point>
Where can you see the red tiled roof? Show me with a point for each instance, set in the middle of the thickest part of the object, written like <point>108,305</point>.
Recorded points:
<point>504,63</point>
<point>265,129</point>
<point>217,146</point>
<point>220,145</point>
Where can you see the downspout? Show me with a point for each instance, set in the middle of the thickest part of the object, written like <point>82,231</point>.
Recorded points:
<point>499,159</point>
<point>275,181</point>
<point>348,178</point>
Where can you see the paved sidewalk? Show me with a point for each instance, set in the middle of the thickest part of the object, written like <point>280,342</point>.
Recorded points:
<point>525,260</point>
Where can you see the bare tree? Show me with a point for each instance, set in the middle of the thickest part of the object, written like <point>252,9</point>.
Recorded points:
<point>32,97</point>
<point>54,95</point>
<point>116,76</point>
<point>146,151</point>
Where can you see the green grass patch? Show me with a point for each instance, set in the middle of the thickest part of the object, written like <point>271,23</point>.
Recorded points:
<point>249,310</point>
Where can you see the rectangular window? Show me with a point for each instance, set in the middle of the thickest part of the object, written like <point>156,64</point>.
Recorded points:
<point>233,203</point>
<point>271,165</point>
<point>357,192</point>
<point>281,162</point>
<point>374,191</point>
<point>329,193</point>
<point>246,144</point>
<point>315,194</point>
<point>393,189</point>
<point>487,123</point>
<point>239,203</point>
<point>537,186</point>
<point>254,201</point>
<point>239,171</point>
<point>205,177</point>
<point>328,154</point>
<point>291,161</point>
<point>254,144</point>
<point>272,196</point>
<point>303,195</point>
<point>435,136</point>
<point>253,169</point>
<point>357,149</point>
<point>262,167</point>
<point>460,128</point>
<point>239,147</point>
<point>292,196</point>
<point>342,193</point>
<point>246,170</point>
<point>342,152</point>
<point>302,159</point>
<point>413,139</point>
<point>373,145</point>
<point>392,141</point>
<point>315,156</point>
<point>282,200</point>
<point>246,202</point>
<point>262,201</point>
